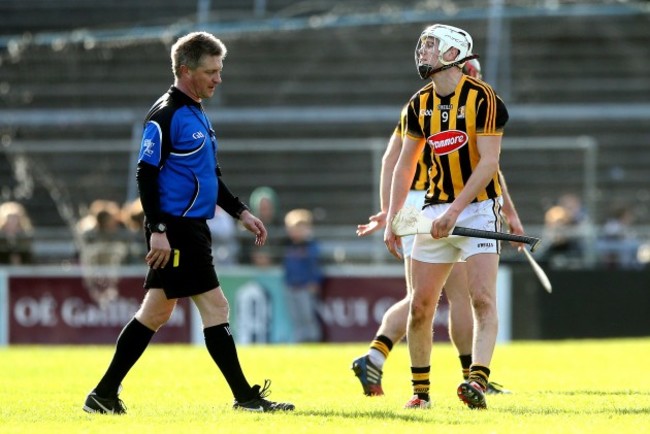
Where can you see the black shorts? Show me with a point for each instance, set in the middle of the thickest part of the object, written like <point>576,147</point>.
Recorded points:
<point>190,270</point>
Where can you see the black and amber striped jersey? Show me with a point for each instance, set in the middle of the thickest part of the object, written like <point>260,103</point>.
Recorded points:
<point>450,125</point>
<point>421,178</point>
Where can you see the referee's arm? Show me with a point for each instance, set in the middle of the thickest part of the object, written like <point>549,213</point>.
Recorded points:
<point>147,179</point>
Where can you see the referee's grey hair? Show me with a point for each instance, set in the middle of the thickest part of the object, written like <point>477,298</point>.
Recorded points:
<point>188,50</point>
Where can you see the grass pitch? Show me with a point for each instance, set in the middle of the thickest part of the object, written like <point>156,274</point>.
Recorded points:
<point>587,386</point>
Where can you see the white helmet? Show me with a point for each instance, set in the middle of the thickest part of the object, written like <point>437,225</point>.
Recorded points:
<point>448,37</point>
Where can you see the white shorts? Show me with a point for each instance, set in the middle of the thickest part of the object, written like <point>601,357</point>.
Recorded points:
<point>480,215</point>
<point>415,199</point>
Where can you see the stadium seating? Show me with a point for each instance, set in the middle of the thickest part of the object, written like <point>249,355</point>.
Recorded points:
<point>33,16</point>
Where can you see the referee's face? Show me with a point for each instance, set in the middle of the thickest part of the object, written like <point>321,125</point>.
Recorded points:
<point>203,80</point>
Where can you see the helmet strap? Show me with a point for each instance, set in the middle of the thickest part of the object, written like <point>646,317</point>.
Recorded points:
<point>427,71</point>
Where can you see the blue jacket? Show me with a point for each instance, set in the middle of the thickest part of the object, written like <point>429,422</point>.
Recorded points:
<point>302,264</point>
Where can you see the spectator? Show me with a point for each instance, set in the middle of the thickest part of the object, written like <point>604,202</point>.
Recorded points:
<point>225,244</point>
<point>303,275</point>
<point>565,226</point>
<point>133,219</point>
<point>617,245</point>
<point>16,235</point>
<point>103,234</point>
<point>264,204</point>
<point>103,247</point>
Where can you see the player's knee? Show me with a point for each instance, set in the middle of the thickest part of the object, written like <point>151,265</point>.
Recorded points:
<point>420,311</point>
<point>484,304</point>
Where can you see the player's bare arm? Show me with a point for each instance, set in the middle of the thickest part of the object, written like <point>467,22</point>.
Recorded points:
<point>388,162</point>
<point>510,212</point>
<point>402,178</point>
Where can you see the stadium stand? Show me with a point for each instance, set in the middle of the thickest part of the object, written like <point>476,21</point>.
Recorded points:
<point>34,16</point>
<point>367,70</point>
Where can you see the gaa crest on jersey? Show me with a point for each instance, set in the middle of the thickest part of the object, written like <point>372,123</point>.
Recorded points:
<point>461,113</point>
<point>445,142</point>
<point>148,147</point>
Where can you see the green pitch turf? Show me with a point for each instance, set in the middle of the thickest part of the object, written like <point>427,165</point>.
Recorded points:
<point>559,387</point>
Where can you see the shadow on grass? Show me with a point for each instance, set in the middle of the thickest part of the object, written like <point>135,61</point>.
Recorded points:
<point>598,392</point>
<point>549,411</point>
<point>596,407</point>
<point>401,414</point>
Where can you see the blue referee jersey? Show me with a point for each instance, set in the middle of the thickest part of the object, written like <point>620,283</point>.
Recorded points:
<point>179,140</point>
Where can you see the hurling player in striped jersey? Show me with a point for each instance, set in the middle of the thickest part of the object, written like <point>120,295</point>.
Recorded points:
<point>368,368</point>
<point>462,120</point>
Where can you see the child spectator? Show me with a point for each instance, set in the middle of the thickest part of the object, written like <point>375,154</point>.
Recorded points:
<point>303,275</point>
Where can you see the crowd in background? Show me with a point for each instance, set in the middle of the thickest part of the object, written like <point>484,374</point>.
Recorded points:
<point>110,234</point>
<point>570,236</point>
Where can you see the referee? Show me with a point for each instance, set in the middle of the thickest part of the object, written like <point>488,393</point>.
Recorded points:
<point>180,182</point>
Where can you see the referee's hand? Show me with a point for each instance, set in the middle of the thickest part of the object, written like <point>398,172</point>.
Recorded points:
<point>160,251</point>
<point>254,225</point>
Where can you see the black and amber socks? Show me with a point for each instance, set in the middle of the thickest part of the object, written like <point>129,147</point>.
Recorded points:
<point>480,374</point>
<point>379,350</point>
<point>382,344</point>
<point>421,381</point>
<point>465,363</point>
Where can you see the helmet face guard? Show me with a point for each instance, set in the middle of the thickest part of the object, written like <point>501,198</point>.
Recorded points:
<point>448,37</point>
